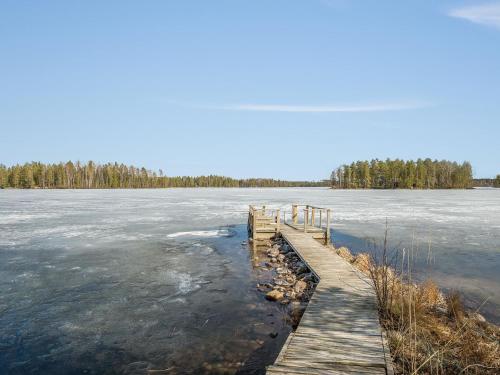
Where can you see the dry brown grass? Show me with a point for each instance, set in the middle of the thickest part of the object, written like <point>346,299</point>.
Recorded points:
<point>455,306</point>
<point>345,253</point>
<point>363,262</point>
<point>428,332</point>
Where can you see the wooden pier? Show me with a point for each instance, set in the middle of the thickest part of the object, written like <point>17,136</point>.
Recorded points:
<point>340,331</point>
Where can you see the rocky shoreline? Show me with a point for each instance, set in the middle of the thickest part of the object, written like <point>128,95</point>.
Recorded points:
<point>292,283</point>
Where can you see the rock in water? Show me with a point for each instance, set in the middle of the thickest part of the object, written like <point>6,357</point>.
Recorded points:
<point>307,277</point>
<point>273,253</point>
<point>479,318</point>
<point>262,288</point>
<point>290,278</point>
<point>281,282</point>
<point>285,249</point>
<point>290,295</point>
<point>300,286</point>
<point>274,295</point>
<point>301,268</point>
<point>280,270</point>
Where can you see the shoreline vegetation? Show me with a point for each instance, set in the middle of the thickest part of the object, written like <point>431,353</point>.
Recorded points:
<point>429,332</point>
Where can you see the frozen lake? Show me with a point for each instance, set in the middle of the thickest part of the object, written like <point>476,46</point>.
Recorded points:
<point>134,279</point>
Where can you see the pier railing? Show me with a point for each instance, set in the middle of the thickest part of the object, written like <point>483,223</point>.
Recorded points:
<point>312,219</point>
<point>265,223</point>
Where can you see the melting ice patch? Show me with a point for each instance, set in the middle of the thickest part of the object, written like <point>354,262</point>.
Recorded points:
<point>186,283</point>
<point>201,248</point>
<point>7,243</point>
<point>23,217</point>
<point>69,326</point>
<point>201,233</point>
<point>183,282</point>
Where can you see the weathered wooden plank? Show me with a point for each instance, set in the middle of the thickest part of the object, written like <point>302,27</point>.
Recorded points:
<point>329,368</point>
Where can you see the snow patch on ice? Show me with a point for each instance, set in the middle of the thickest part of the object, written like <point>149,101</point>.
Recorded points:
<point>201,233</point>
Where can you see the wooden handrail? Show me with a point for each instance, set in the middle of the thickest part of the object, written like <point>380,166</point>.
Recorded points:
<point>309,206</point>
<point>261,222</point>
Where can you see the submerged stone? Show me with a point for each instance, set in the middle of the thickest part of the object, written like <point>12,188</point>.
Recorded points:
<point>300,286</point>
<point>274,295</point>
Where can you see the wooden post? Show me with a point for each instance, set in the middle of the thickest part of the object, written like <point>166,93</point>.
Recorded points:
<point>313,218</point>
<point>249,219</point>
<point>306,214</point>
<point>295,215</point>
<point>320,217</point>
<point>284,216</point>
<point>327,234</point>
<point>277,221</point>
<point>254,222</point>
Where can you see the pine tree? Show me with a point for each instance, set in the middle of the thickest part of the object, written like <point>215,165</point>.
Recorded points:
<point>26,180</point>
<point>3,176</point>
<point>496,183</point>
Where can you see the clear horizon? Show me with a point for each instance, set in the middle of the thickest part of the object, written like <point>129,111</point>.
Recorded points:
<point>278,89</point>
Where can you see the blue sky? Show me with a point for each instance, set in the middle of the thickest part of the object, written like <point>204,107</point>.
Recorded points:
<point>271,88</point>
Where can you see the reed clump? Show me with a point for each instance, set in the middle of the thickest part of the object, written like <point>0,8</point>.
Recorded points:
<point>429,332</point>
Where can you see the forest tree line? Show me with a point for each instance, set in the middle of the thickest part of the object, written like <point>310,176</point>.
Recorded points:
<point>394,174</point>
<point>92,175</point>
<point>487,182</point>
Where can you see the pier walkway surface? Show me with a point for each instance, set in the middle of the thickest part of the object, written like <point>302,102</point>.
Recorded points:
<point>340,332</point>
